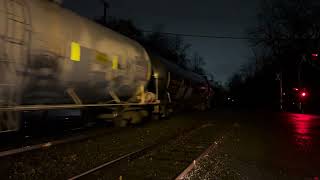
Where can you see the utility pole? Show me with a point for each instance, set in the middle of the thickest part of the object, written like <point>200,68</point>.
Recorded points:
<point>177,39</point>
<point>279,78</point>
<point>303,58</point>
<point>299,74</point>
<point>106,6</point>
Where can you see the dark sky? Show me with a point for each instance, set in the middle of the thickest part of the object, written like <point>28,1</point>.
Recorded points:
<point>208,17</point>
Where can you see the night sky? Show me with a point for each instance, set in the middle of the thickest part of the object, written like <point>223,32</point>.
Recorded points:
<point>205,17</point>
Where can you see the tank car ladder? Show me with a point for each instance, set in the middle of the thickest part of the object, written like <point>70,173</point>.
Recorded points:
<point>15,50</point>
<point>7,62</point>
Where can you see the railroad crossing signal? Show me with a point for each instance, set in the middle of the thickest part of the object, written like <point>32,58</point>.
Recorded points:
<point>314,56</point>
<point>303,94</point>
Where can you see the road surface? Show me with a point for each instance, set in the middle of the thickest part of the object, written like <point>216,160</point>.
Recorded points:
<point>266,146</point>
<point>256,145</point>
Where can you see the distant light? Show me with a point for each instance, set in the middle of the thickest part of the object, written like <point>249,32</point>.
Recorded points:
<point>296,89</point>
<point>48,144</point>
<point>314,57</point>
<point>156,75</point>
<point>303,94</point>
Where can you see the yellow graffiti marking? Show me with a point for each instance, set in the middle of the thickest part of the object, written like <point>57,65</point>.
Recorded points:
<point>102,57</point>
<point>115,62</point>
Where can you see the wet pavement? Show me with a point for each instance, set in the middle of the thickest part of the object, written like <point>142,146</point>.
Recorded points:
<point>265,146</point>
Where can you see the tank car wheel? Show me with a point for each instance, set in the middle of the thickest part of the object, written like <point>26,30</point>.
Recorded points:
<point>165,112</point>
<point>120,121</point>
<point>156,116</point>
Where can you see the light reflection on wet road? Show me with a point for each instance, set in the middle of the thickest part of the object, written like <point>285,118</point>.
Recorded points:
<point>296,144</point>
<point>304,129</point>
<point>267,146</point>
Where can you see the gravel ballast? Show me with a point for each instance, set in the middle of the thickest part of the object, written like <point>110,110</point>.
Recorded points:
<point>63,161</point>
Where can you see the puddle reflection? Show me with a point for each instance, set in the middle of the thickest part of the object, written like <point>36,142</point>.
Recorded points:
<point>302,129</point>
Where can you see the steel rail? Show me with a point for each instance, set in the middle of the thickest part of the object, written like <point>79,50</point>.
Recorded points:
<point>194,163</point>
<point>184,174</point>
<point>41,146</point>
<point>44,144</point>
<point>142,150</point>
<point>113,161</point>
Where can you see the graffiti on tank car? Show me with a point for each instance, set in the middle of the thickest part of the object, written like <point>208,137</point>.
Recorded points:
<point>122,64</point>
<point>141,67</point>
<point>117,62</point>
<point>129,66</point>
<point>101,57</point>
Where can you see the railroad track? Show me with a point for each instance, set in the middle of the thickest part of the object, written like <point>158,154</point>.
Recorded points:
<point>63,140</point>
<point>193,165</point>
<point>170,156</point>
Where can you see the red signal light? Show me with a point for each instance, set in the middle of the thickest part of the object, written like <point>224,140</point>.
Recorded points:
<point>314,56</point>
<point>303,94</point>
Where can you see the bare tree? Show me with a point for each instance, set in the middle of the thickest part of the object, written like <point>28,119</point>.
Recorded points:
<point>286,30</point>
<point>197,64</point>
<point>287,26</point>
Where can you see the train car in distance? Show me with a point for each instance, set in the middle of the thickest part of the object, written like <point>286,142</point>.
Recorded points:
<point>179,87</point>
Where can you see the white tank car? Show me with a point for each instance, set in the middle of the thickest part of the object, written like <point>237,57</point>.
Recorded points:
<point>51,56</point>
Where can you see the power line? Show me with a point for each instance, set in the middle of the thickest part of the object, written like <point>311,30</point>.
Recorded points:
<point>223,37</point>
<point>202,36</point>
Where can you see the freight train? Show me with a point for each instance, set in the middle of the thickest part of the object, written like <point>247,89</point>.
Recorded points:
<point>53,59</point>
